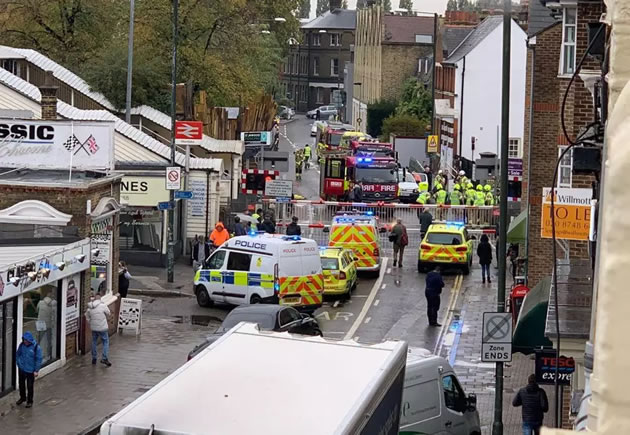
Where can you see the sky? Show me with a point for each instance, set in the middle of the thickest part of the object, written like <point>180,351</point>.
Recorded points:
<point>432,6</point>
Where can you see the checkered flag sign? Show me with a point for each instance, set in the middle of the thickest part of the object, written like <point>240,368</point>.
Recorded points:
<point>71,143</point>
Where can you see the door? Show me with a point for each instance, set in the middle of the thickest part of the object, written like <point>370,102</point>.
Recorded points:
<point>216,265</point>
<point>455,404</point>
<point>8,344</point>
<point>289,320</point>
<point>421,403</point>
<point>235,278</point>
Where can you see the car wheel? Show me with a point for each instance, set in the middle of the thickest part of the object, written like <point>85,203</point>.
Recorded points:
<point>354,286</point>
<point>318,332</point>
<point>255,299</point>
<point>203,298</point>
<point>466,269</point>
<point>420,267</point>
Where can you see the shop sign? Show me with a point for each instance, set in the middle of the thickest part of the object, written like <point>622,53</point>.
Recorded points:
<point>546,368</point>
<point>81,145</point>
<point>101,240</point>
<point>572,209</point>
<point>130,316</point>
<point>72,307</point>
<point>142,191</point>
<point>515,167</point>
<point>30,274</point>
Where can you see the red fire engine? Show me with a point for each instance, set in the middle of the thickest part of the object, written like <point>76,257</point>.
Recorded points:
<point>375,149</point>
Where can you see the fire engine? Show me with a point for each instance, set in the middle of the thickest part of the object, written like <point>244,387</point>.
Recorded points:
<point>375,149</point>
<point>377,176</point>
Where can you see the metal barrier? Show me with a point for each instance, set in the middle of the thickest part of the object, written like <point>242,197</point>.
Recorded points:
<point>322,212</point>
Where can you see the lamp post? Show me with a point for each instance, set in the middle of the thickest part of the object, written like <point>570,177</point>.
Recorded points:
<point>129,62</point>
<point>171,213</point>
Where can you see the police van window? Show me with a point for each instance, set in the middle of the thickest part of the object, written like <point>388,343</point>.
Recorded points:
<point>443,239</point>
<point>454,397</point>
<point>239,261</point>
<point>216,260</point>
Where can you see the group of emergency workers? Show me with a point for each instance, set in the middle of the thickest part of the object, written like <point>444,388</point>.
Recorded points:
<point>464,192</point>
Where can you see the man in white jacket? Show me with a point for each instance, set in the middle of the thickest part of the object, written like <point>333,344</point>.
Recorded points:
<point>96,315</point>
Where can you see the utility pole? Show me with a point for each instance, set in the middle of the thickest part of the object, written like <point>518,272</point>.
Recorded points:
<point>434,63</point>
<point>497,425</point>
<point>132,8</point>
<point>171,212</point>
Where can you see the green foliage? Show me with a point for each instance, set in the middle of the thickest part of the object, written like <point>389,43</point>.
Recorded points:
<point>415,101</point>
<point>344,4</point>
<point>406,4</point>
<point>305,9</point>
<point>376,113</point>
<point>451,5</point>
<point>403,125</point>
<point>322,7</point>
<point>468,5</point>
<point>387,5</point>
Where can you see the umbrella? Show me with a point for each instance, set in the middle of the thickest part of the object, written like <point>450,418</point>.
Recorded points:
<point>246,218</point>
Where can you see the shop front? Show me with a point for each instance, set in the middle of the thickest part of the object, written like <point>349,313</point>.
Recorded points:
<point>42,295</point>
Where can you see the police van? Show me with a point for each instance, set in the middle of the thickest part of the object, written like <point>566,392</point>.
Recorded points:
<point>262,268</point>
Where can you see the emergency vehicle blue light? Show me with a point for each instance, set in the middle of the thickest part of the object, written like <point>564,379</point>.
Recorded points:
<point>291,238</point>
<point>253,233</point>
<point>276,287</point>
<point>369,213</point>
<point>367,159</point>
<point>455,223</point>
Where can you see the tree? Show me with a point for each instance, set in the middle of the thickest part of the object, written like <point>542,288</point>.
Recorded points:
<point>344,4</point>
<point>387,5</point>
<point>406,4</point>
<point>376,113</point>
<point>305,9</point>
<point>415,101</point>
<point>322,7</point>
<point>402,125</point>
<point>451,5</point>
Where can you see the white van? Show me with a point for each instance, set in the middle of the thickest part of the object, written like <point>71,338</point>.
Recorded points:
<point>262,268</point>
<point>433,400</point>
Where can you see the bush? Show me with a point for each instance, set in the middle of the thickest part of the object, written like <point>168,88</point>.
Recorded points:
<point>376,113</point>
<point>403,125</point>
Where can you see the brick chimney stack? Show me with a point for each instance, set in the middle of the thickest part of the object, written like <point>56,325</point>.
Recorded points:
<point>49,97</point>
<point>335,4</point>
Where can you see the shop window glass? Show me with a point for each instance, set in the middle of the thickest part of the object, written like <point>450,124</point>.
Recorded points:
<point>41,317</point>
<point>7,346</point>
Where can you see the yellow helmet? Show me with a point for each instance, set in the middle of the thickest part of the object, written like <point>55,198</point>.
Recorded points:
<point>469,185</point>
<point>456,187</point>
<point>479,187</point>
<point>487,188</point>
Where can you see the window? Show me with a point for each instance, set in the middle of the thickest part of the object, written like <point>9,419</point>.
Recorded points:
<point>454,397</point>
<point>317,39</point>
<point>334,67</point>
<point>514,148</point>
<point>566,168</point>
<point>41,317</point>
<point>303,90</point>
<point>287,316</point>
<point>569,27</point>
<point>316,65</point>
<point>239,261</point>
<point>12,66</point>
<point>335,39</point>
<point>319,96</point>
<point>444,239</point>
<point>330,263</point>
<point>216,260</point>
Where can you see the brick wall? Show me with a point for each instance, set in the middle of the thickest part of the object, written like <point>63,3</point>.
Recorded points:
<point>399,62</point>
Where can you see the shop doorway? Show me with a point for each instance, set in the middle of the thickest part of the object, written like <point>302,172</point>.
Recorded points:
<point>8,344</point>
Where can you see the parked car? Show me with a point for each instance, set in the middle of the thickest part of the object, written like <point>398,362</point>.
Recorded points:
<point>324,112</point>
<point>277,318</point>
<point>286,112</point>
<point>407,186</point>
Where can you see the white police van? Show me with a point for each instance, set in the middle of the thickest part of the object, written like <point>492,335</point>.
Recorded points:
<point>262,267</point>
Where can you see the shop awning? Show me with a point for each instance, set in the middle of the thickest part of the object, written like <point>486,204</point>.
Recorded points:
<point>529,333</point>
<point>517,231</point>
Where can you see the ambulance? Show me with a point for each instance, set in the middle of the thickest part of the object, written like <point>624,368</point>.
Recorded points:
<point>262,268</point>
<point>359,233</point>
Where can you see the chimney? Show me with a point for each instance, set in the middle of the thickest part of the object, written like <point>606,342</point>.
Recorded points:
<point>335,4</point>
<point>49,97</point>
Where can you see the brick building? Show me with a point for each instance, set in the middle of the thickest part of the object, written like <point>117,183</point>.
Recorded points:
<point>315,66</point>
<point>389,49</point>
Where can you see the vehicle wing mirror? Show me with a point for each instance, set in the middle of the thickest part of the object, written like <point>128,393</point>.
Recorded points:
<point>472,401</point>
<point>326,230</point>
<point>355,258</point>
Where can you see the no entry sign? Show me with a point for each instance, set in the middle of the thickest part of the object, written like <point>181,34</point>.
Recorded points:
<point>173,178</point>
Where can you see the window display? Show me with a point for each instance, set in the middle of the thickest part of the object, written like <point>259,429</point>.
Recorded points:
<point>41,318</point>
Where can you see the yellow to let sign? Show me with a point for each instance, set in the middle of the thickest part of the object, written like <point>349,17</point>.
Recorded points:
<point>432,144</point>
<point>572,210</point>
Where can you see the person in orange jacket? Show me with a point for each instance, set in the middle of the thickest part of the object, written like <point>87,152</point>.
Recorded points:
<point>219,235</point>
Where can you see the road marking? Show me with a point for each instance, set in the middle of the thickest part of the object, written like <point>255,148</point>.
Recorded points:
<point>336,304</point>
<point>367,320</point>
<point>376,302</point>
<point>358,296</point>
<point>384,285</point>
<point>389,270</point>
<point>368,302</point>
<point>449,313</point>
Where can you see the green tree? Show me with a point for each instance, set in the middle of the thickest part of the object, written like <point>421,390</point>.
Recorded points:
<point>415,101</point>
<point>305,9</point>
<point>406,4</point>
<point>322,7</point>
<point>387,5</point>
<point>402,125</point>
<point>376,113</point>
<point>451,5</point>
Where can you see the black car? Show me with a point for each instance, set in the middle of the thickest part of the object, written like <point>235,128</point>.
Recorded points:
<point>276,318</point>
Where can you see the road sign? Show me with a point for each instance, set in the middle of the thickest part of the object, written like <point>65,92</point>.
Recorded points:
<point>432,144</point>
<point>496,337</point>
<point>279,188</point>
<point>173,178</point>
<point>183,194</point>
<point>573,213</point>
<point>166,205</point>
<point>188,132</point>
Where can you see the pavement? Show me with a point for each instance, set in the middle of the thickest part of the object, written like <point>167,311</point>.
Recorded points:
<point>153,280</point>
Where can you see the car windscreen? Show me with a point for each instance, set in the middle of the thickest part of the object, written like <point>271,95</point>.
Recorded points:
<point>444,239</point>
<point>330,263</point>
<point>335,139</point>
<point>376,175</point>
<point>264,320</point>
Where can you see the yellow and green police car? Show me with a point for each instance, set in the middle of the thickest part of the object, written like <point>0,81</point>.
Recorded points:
<point>446,244</point>
<point>340,271</point>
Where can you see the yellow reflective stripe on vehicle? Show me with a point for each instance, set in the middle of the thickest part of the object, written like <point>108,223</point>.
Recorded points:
<point>308,287</point>
<point>240,278</point>
<point>197,275</point>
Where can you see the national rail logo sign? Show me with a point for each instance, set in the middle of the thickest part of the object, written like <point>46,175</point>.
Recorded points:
<point>572,209</point>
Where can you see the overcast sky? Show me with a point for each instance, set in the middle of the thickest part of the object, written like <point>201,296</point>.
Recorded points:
<point>438,6</point>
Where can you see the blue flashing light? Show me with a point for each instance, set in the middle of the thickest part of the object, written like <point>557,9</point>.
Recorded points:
<point>455,223</point>
<point>369,213</point>
<point>253,233</point>
<point>291,238</point>
<point>276,287</point>
<point>368,160</point>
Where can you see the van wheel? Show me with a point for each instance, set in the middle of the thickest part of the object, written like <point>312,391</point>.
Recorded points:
<point>255,299</point>
<point>203,298</point>
<point>421,268</point>
<point>466,269</point>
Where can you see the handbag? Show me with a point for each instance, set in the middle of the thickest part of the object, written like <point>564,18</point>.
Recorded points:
<point>392,237</point>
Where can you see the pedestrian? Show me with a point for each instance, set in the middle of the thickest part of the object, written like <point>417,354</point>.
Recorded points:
<point>512,254</point>
<point>484,251</point>
<point>427,170</point>
<point>124,278</point>
<point>426,220</point>
<point>239,229</point>
<point>293,229</point>
<point>29,360</point>
<point>267,225</point>
<point>307,156</point>
<point>356,194</point>
<point>318,115</point>
<point>258,214</point>
<point>433,289</point>
<point>400,239</point>
<point>219,235</point>
<point>96,315</point>
<point>534,401</point>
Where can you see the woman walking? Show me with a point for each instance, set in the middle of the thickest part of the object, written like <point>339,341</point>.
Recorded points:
<point>484,251</point>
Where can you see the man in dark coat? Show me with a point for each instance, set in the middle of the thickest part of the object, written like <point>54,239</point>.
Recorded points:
<point>426,220</point>
<point>239,229</point>
<point>484,251</point>
<point>293,229</point>
<point>434,286</point>
<point>267,225</point>
<point>534,401</point>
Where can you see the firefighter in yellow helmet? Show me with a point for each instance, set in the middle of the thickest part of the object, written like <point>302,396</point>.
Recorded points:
<point>480,196</point>
<point>489,196</point>
<point>470,194</point>
<point>456,195</point>
<point>440,194</point>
